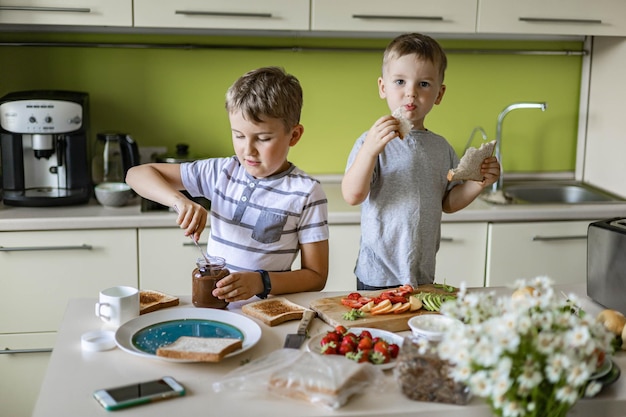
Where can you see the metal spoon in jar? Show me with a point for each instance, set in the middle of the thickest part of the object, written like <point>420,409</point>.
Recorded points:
<point>204,255</point>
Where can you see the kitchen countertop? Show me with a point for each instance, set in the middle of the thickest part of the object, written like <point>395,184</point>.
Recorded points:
<point>73,375</point>
<point>95,216</point>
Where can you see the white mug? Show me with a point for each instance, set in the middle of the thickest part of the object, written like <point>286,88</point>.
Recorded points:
<point>117,305</point>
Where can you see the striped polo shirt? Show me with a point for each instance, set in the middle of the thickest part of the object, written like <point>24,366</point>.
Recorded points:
<point>257,223</point>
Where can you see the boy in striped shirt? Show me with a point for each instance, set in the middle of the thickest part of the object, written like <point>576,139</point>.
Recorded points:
<point>263,208</point>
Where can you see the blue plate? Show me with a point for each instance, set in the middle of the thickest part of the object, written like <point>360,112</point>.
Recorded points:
<point>153,337</point>
<point>143,335</point>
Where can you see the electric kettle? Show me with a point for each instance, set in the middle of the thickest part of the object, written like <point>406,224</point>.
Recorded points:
<point>114,154</point>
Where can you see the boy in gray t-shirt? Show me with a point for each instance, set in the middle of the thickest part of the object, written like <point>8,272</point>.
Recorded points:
<point>401,181</point>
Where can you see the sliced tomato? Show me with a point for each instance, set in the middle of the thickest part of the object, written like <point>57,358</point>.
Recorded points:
<point>351,303</point>
<point>354,296</point>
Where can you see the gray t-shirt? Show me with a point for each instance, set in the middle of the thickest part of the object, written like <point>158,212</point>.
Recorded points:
<point>401,216</point>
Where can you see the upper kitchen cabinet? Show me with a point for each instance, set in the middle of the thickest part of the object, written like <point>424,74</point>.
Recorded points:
<point>554,17</point>
<point>216,14</point>
<point>442,16</point>
<point>67,12</point>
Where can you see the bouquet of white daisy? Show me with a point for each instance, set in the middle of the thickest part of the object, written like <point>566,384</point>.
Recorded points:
<point>529,355</point>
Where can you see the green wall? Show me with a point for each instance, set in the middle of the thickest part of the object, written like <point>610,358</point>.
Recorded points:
<point>162,96</point>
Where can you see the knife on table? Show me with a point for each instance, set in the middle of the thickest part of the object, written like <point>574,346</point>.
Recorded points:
<point>294,341</point>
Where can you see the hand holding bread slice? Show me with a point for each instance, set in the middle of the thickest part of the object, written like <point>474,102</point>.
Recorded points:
<point>469,166</point>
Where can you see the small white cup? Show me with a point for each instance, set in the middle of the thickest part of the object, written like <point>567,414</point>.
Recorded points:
<point>117,305</point>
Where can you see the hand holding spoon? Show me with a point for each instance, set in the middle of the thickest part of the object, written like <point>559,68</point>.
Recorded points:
<point>204,255</point>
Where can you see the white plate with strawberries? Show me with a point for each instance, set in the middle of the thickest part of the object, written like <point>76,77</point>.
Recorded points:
<point>386,354</point>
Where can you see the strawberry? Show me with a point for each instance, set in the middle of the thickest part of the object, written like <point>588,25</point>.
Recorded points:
<point>365,343</point>
<point>394,350</point>
<point>346,347</point>
<point>378,357</point>
<point>365,334</point>
<point>329,348</point>
<point>341,329</point>
<point>363,355</point>
<point>381,346</point>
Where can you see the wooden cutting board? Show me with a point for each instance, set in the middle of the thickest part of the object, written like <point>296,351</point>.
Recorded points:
<point>331,311</point>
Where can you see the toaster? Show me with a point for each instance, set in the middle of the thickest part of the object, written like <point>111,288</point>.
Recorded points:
<point>606,263</point>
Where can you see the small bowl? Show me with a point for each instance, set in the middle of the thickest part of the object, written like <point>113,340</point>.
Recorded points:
<point>113,194</point>
<point>432,326</point>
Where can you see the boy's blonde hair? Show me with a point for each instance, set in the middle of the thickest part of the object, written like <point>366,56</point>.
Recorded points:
<point>421,45</point>
<point>267,92</point>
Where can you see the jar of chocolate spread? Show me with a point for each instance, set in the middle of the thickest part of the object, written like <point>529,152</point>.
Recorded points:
<point>204,278</point>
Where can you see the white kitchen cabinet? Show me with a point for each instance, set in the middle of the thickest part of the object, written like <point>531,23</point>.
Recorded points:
<point>442,16</point>
<point>343,248</point>
<point>40,272</point>
<point>67,12</point>
<point>166,259</point>
<point>606,138</point>
<point>527,250</point>
<point>554,17</point>
<point>462,254</point>
<point>22,373</point>
<point>215,14</point>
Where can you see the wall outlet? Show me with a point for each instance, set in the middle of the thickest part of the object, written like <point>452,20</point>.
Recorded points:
<point>148,153</point>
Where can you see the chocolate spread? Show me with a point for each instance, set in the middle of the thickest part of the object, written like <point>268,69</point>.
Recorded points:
<point>204,278</point>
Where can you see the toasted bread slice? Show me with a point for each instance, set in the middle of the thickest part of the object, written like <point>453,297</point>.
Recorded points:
<point>150,300</point>
<point>274,311</point>
<point>200,349</point>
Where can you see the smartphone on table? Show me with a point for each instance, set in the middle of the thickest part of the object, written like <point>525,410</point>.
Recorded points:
<point>140,393</point>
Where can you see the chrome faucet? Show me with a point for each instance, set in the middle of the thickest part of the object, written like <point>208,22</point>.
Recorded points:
<point>497,186</point>
<point>477,129</point>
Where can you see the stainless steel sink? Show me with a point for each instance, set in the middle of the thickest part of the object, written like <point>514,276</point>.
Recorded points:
<point>556,192</point>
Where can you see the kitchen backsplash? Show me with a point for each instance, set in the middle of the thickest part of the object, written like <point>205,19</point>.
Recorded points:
<point>164,96</point>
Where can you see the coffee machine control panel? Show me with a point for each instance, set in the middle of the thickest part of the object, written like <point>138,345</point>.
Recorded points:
<point>41,116</point>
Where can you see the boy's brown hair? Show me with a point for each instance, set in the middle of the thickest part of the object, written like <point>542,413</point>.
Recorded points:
<point>421,45</point>
<point>267,92</point>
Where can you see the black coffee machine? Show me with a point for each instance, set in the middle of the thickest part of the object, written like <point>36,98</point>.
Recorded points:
<point>43,141</point>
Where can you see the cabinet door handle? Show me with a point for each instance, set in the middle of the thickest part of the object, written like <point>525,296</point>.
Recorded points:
<point>44,248</point>
<point>221,14</point>
<point>558,20</point>
<point>8,351</point>
<point>47,9</point>
<point>446,239</point>
<point>554,238</point>
<point>381,17</point>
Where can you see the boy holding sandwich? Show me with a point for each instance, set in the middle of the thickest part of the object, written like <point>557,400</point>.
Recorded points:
<point>399,177</point>
<point>263,208</point>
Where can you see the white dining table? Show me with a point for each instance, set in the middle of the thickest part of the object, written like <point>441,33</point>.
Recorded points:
<point>73,374</point>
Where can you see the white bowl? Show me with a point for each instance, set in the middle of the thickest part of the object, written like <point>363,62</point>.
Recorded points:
<point>433,326</point>
<point>113,194</point>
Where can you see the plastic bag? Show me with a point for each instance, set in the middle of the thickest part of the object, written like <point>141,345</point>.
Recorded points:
<point>325,380</point>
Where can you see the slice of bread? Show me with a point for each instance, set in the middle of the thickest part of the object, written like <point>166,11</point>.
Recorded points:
<point>200,349</point>
<point>150,300</point>
<point>405,124</point>
<point>273,311</point>
<point>469,166</point>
